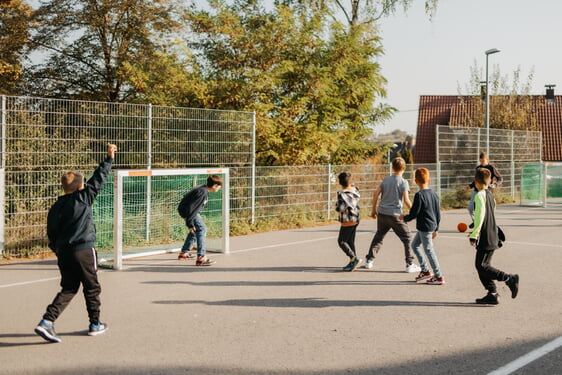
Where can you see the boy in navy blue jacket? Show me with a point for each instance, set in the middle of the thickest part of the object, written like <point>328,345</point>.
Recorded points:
<point>72,236</point>
<point>191,205</point>
<point>486,239</point>
<point>427,212</point>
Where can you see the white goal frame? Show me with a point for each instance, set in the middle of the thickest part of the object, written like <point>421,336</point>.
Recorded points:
<point>120,174</point>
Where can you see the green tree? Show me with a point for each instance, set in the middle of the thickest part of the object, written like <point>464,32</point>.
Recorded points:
<point>511,104</point>
<point>313,85</point>
<point>14,34</point>
<point>89,43</point>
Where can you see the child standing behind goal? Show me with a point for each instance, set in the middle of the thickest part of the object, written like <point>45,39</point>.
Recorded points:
<point>72,236</point>
<point>189,208</point>
<point>348,208</point>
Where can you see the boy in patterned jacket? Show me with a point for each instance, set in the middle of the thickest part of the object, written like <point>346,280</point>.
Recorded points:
<point>348,207</point>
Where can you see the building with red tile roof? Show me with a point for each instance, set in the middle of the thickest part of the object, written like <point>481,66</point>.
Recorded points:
<point>464,111</point>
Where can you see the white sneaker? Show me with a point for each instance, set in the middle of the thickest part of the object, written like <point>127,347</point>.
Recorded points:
<point>412,268</point>
<point>368,264</point>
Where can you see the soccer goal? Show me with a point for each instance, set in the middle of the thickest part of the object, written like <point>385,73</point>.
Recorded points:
<point>541,183</point>
<point>137,214</point>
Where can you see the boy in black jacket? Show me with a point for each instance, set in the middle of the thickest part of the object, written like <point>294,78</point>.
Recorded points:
<point>72,236</point>
<point>192,204</point>
<point>486,239</point>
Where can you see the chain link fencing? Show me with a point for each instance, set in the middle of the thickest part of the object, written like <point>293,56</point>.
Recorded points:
<point>42,138</point>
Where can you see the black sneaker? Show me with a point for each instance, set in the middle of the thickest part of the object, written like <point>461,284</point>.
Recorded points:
<point>471,225</point>
<point>513,284</point>
<point>488,299</point>
<point>47,331</point>
<point>97,329</point>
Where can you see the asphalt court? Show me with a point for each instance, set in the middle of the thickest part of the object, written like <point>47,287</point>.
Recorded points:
<point>280,304</point>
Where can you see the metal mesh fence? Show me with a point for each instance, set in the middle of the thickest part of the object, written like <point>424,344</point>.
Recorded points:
<point>41,138</point>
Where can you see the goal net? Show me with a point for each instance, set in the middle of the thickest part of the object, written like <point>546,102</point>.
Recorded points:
<point>136,213</point>
<point>541,183</point>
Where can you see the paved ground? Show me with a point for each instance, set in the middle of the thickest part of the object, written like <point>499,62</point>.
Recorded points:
<point>279,304</point>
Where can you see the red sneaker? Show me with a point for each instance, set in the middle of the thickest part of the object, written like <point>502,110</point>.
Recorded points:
<point>183,256</point>
<point>436,281</point>
<point>204,261</point>
<point>423,275</point>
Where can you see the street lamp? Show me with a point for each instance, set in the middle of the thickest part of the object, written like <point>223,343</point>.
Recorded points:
<point>488,52</point>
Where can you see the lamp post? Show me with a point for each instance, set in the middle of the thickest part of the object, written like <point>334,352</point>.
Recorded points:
<point>488,52</point>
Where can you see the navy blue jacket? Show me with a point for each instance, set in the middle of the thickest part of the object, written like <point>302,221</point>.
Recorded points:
<point>196,201</point>
<point>425,209</point>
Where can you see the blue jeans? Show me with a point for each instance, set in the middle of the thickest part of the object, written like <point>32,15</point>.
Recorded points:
<point>471,204</point>
<point>424,239</point>
<point>199,236</point>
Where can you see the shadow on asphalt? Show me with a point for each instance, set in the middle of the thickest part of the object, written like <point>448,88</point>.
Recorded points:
<point>318,303</point>
<point>474,362</point>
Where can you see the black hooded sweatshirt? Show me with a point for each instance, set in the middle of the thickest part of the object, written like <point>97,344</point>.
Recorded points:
<point>70,225</point>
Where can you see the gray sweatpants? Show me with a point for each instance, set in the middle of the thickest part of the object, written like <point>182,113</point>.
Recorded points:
<point>384,224</point>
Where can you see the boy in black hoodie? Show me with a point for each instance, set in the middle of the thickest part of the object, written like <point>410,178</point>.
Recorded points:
<point>72,236</point>
<point>486,239</point>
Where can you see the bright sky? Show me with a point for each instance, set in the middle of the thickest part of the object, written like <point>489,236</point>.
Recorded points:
<point>424,57</point>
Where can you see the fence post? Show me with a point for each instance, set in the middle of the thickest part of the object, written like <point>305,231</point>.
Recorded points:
<point>544,183</point>
<point>149,179</point>
<point>512,165</point>
<point>437,161</point>
<point>2,173</point>
<point>478,144</point>
<point>253,182</point>
<point>329,190</point>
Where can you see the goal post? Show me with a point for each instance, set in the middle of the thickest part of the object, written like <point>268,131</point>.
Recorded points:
<point>145,216</point>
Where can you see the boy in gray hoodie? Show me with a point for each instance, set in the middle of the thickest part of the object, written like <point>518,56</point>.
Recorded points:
<point>348,207</point>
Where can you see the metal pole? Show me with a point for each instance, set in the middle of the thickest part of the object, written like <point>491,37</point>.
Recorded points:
<point>512,164</point>
<point>148,178</point>
<point>488,52</point>
<point>487,111</point>
<point>544,182</point>
<point>253,181</point>
<point>226,212</point>
<point>329,190</point>
<point>2,173</point>
<point>118,222</point>
<point>438,162</point>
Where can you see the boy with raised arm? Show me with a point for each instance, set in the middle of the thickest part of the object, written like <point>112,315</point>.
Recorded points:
<point>72,236</point>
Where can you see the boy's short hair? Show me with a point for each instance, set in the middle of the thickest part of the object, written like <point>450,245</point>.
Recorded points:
<point>483,176</point>
<point>213,180</point>
<point>344,179</point>
<point>422,176</point>
<point>398,164</point>
<point>483,155</point>
<point>71,181</point>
